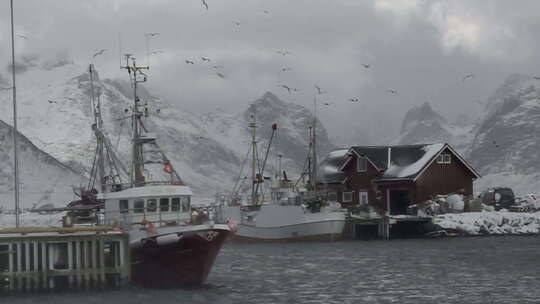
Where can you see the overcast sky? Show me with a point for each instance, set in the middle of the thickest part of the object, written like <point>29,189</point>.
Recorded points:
<point>420,48</point>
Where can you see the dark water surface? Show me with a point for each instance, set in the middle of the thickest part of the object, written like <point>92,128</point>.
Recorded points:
<point>461,270</point>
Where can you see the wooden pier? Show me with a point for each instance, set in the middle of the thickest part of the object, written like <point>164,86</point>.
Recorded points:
<point>57,258</point>
<point>384,227</point>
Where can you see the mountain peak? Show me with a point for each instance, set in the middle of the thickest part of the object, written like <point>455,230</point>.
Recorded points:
<point>421,113</point>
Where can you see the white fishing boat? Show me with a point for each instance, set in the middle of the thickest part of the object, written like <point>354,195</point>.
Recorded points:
<point>294,212</point>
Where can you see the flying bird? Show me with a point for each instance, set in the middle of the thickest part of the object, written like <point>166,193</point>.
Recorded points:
<point>319,91</point>
<point>283,53</point>
<point>156,52</point>
<point>6,89</point>
<point>353,100</point>
<point>327,103</point>
<point>266,12</point>
<point>99,52</point>
<point>495,144</point>
<point>392,91</point>
<point>189,62</point>
<point>205,59</point>
<point>237,23</point>
<point>285,69</point>
<point>467,77</point>
<point>480,103</point>
<point>286,88</point>
<point>205,4</point>
<point>537,77</point>
<point>51,101</point>
<point>151,34</point>
<point>217,67</point>
<point>22,37</point>
<point>366,66</point>
<point>220,75</point>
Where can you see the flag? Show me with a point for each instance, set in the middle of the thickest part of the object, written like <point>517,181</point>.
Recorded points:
<point>168,167</point>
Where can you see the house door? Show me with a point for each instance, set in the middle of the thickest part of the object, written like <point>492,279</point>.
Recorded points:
<point>399,201</point>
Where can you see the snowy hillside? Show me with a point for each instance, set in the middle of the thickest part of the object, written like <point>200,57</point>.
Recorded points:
<point>423,125</point>
<point>206,150</point>
<point>43,179</point>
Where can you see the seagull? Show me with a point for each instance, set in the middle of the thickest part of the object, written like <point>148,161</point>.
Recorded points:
<point>22,37</point>
<point>319,91</point>
<point>283,53</point>
<point>217,67</point>
<point>366,65</point>
<point>156,52</point>
<point>467,77</point>
<point>237,23</point>
<point>199,137</point>
<point>480,102</point>
<point>537,77</point>
<point>266,11</point>
<point>392,91</point>
<point>6,89</point>
<point>51,101</point>
<point>327,103</point>
<point>99,52</point>
<point>285,69</point>
<point>286,88</point>
<point>495,144</point>
<point>353,99</point>
<point>151,34</point>
<point>189,62</point>
<point>205,4</point>
<point>220,75</point>
<point>205,59</point>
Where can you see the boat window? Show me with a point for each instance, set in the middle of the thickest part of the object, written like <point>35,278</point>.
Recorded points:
<point>175,204</point>
<point>124,206</point>
<point>185,204</point>
<point>138,206</point>
<point>151,205</point>
<point>164,204</point>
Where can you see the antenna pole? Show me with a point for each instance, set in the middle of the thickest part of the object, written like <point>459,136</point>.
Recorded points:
<point>15,142</point>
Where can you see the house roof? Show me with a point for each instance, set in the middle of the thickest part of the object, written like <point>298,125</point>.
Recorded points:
<point>329,168</point>
<point>406,162</point>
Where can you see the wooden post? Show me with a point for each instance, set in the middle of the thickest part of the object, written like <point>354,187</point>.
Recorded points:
<point>11,267</point>
<point>102,262</point>
<point>44,266</point>
<point>78,262</point>
<point>70,262</point>
<point>35,269</point>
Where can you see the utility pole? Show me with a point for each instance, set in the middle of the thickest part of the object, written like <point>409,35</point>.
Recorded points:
<point>15,141</point>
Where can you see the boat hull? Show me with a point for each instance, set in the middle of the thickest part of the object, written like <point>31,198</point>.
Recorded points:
<point>184,261</point>
<point>330,230</point>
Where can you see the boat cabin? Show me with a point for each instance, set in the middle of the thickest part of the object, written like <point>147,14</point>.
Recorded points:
<point>160,204</point>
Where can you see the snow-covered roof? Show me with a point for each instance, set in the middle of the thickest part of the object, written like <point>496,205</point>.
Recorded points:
<point>329,168</point>
<point>408,161</point>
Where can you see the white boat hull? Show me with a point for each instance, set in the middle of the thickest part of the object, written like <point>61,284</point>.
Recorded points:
<point>287,223</point>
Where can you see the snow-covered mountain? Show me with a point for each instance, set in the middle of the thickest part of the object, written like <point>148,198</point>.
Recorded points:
<point>423,125</point>
<point>503,145</point>
<point>507,140</point>
<point>206,150</point>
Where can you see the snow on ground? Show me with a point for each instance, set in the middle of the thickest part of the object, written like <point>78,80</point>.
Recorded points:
<point>29,219</point>
<point>490,223</point>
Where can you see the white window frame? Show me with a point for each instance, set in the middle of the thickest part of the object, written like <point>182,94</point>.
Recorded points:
<point>363,198</point>
<point>444,158</point>
<point>358,160</point>
<point>347,200</point>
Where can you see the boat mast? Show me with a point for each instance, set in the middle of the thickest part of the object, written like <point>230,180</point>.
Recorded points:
<point>253,127</point>
<point>98,122</point>
<point>314,147</point>
<point>137,163</point>
<point>15,152</point>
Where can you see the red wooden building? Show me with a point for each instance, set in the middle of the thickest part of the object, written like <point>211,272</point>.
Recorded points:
<point>394,177</point>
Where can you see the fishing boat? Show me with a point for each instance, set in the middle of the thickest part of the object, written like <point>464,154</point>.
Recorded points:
<point>294,211</point>
<point>171,243</point>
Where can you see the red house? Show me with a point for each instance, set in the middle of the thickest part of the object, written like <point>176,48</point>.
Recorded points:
<point>391,178</point>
